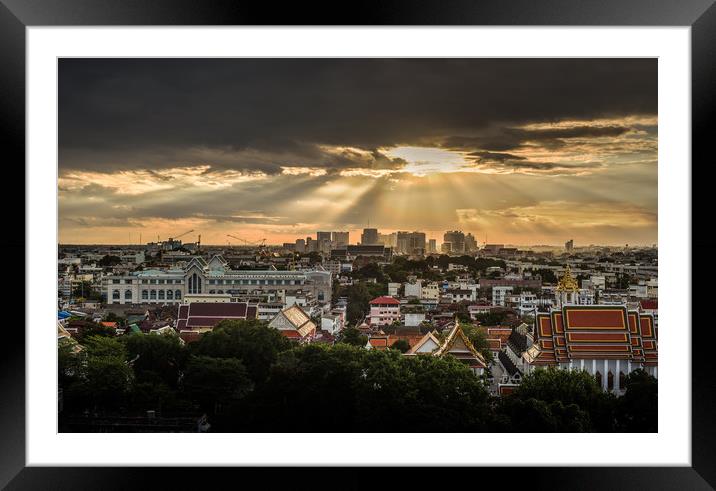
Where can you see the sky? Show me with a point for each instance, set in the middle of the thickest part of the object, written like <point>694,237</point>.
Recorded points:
<point>515,151</point>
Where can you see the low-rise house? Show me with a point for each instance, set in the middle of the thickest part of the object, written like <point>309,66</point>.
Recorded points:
<point>331,323</point>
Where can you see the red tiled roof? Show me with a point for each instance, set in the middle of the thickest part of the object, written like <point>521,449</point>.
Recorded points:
<point>649,304</point>
<point>385,300</point>
<point>494,344</point>
<point>209,314</point>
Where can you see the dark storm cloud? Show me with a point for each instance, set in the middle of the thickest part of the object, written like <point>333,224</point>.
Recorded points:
<point>512,138</point>
<point>262,115</point>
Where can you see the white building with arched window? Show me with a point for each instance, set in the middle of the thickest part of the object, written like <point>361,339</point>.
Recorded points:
<point>215,277</point>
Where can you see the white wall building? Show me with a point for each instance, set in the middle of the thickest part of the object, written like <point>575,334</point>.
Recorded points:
<point>499,294</point>
<point>215,277</point>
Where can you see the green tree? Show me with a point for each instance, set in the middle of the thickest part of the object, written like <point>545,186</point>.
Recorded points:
<point>570,387</point>
<point>638,408</point>
<point>401,345</point>
<point>69,364</point>
<point>251,341</point>
<point>156,357</point>
<point>112,317</point>
<point>88,329</point>
<point>108,381</point>
<point>108,261</point>
<point>86,291</point>
<point>103,346</point>
<point>478,338</point>
<point>352,336</point>
<point>216,382</point>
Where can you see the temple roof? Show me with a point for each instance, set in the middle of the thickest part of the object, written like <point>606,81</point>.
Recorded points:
<point>567,283</point>
<point>593,332</point>
<point>459,345</point>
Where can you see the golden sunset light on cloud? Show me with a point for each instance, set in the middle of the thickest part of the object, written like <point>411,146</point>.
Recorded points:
<point>525,153</point>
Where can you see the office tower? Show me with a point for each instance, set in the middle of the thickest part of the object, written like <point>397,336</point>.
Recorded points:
<point>369,236</point>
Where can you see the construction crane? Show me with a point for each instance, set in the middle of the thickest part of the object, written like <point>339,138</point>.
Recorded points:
<point>239,238</point>
<point>181,235</point>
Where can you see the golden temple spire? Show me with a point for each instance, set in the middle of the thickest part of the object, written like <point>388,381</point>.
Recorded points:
<point>567,283</point>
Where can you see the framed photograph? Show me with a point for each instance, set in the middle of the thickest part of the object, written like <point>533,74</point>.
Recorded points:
<point>430,237</point>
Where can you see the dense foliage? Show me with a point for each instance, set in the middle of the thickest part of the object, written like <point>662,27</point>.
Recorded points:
<point>246,377</point>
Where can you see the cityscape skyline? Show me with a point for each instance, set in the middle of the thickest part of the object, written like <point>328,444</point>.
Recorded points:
<point>529,152</point>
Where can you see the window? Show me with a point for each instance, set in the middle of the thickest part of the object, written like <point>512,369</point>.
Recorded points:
<point>128,294</point>
<point>177,294</point>
<point>153,295</point>
<point>145,294</point>
<point>194,283</point>
<point>598,378</point>
<point>622,380</point>
<point>116,282</point>
<point>161,294</point>
<point>115,294</point>
<point>610,381</point>
<point>170,295</point>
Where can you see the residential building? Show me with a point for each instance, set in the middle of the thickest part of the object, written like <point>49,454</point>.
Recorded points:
<point>414,289</point>
<point>430,291</point>
<point>384,311</point>
<point>499,294</point>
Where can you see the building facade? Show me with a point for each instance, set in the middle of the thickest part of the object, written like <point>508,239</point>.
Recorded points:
<point>200,277</point>
<point>384,311</point>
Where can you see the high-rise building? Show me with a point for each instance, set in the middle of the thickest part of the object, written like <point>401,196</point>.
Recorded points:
<point>323,240</point>
<point>310,244</point>
<point>388,240</point>
<point>410,243</point>
<point>456,239</point>
<point>470,243</point>
<point>300,246</point>
<point>446,247</point>
<point>569,245</point>
<point>340,239</point>
<point>369,236</point>
<point>432,246</point>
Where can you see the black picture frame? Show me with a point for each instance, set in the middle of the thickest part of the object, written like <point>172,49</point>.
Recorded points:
<point>700,15</point>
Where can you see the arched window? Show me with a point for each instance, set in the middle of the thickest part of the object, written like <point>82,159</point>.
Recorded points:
<point>211,292</point>
<point>177,294</point>
<point>610,380</point>
<point>194,284</point>
<point>145,294</point>
<point>115,294</point>
<point>170,295</point>
<point>220,292</point>
<point>161,294</point>
<point>598,378</point>
<point>153,295</point>
<point>622,380</point>
<point>128,294</point>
